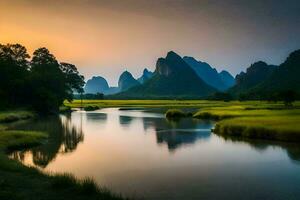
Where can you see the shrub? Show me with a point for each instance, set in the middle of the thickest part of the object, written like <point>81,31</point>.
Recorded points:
<point>175,113</point>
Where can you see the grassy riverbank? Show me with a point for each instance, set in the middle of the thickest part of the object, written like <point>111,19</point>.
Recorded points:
<point>145,103</point>
<point>176,104</point>
<point>21,182</point>
<point>270,123</point>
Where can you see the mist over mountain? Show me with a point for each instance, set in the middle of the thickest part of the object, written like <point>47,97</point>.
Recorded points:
<point>221,81</point>
<point>173,77</point>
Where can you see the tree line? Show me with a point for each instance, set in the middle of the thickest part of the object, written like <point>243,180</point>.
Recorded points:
<point>41,83</point>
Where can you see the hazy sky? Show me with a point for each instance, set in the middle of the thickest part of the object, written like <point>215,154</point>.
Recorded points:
<point>106,37</point>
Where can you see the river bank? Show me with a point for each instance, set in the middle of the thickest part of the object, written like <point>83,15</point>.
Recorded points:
<point>20,182</point>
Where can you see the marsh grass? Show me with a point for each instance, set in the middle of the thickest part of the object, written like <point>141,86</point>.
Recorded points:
<point>282,127</point>
<point>86,186</point>
<point>11,116</point>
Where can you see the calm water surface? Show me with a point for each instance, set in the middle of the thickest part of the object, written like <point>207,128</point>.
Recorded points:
<point>141,154</point>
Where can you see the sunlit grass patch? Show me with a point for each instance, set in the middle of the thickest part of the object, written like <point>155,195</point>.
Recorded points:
<point>274,127</point>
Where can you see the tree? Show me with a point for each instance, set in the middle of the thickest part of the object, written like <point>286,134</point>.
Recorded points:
<point>288,97</point>
<point>74,81</point>
<point>222,96</point>
<point>52,82</point>
<point>42,83</point>
<point>14,66</point>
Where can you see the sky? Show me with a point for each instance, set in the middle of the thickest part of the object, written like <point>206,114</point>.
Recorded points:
<point>107,37</point>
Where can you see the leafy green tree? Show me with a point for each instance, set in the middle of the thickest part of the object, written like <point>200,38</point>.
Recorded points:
<point>74,81</point>
<point>52,82</point>
<point>42,83</point>
<point>47,82</point>
<point>14,67</point>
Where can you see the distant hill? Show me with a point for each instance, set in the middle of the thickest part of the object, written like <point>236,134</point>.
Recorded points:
<point>96,84</point>
<point>254,75</point>
<point>173,77</point>
<point>262,80</point>
<point>127,81</point>
<point>284,77</point>
<point>227,79</point>
<point>221,81</point>
<point>145,76</point>
<point>112,90</point>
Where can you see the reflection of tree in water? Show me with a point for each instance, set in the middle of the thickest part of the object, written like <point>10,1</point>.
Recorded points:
<point>125,121</point>
<point>293,149</point>
<point>178,133</point>
<point>176,138</point>
<point>173,133</point>
<point>63,138</point>
<point>96,116</point>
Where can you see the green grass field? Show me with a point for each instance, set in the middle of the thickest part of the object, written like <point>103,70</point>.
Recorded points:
<point>177,104</point>
<point>145,103</point>
<point>20,182</point>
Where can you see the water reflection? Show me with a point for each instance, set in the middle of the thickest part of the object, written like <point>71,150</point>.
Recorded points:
<point>63,138</point>
<point>93,116</point>
<point>143,154</point>
<point>65,134</point>
<point>178,133</point>
<point>173,133</point>
<point>125,121</point>
<point>292,149</point>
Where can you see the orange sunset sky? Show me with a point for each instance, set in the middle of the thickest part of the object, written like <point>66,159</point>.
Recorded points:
<point>106,37</point>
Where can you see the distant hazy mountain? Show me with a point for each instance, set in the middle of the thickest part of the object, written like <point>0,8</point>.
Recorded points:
<point>145,76</point>
<point>221,81</point>
<point>227,79</point>
<point>112,90</point>
<point>96,84</point>
<point>254,75</point>
<point>127,81</point>
<point>173,77</point>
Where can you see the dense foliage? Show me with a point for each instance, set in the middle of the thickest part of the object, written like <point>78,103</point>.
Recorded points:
<point>41,83</point>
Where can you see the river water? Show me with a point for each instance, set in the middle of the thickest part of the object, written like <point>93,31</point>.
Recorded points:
<point>139,153</point>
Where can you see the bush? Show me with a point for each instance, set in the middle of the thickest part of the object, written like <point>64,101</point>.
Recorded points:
<point>175,114</point>
<point>91,108</point>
